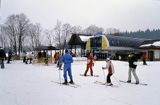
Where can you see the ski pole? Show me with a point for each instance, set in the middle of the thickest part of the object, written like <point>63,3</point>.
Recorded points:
<point>60,76</point>
<point>116,80</point>
<point>104,76</point>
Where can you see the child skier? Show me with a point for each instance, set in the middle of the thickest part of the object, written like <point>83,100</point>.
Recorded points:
<point>90,60</point>
<point>110,68</point>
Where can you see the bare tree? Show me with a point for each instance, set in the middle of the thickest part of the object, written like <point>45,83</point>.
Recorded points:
<point>112,31</point>
<point>76,29</point>
<point>66,29</point>
<point>94,30</point>
<point>3,38</point>
<point>10,30</point>
<point>22,27</point>
<point>58,34</point>
<point>49,35</point>
<point>16,27</point>
<point>34,34</point>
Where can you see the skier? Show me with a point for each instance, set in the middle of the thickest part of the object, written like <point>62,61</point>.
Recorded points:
<point>24,56</point>
<point>2,57</point>
<point>60,61</point>
<point>67,60</point>
<point>110,68</point>
<point>90,60</point>
<point>55,57</point>
<point>144,58</point>
<point>58,58</point>
<point>9,56</point>
<point>29,57</point>
<point>132,60</point>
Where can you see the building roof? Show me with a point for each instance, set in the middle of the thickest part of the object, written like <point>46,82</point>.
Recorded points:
<point>154,45</point>
<point>126,41</point>
<point>78,39</point>
<point>111,42</point>
<point>46,48</point>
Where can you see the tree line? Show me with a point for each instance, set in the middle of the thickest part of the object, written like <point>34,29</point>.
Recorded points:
<point>18,31</point>
<point>146,34</point>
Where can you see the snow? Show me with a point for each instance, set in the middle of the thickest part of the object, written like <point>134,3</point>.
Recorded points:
<point>30,84</point>
<point>85,38</point>
<point>157,44</point>
<point>146,45</point>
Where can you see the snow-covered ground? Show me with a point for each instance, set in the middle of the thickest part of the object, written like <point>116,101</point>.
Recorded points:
<point>22,84</point>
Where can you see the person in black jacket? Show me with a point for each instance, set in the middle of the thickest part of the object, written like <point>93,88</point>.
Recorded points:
<point>132,60</point>
<point>9,56</point>
<point>2,57</point>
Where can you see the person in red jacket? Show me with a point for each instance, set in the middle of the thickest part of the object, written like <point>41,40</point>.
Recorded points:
<point>144,58</point>
<point>90,60</point>
<point>110,68</point>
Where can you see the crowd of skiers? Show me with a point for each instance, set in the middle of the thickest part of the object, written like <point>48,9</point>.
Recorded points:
<point>67,59</point>
<point>132,60</point>
<point>27,57</point>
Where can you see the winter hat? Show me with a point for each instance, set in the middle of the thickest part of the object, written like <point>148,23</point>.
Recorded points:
<point>66,51</point>
<point>108,59</point>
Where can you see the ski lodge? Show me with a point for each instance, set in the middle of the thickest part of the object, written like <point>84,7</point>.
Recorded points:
<point>117,47</point>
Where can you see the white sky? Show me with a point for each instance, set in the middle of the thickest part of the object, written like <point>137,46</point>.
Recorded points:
<point>122,14</point>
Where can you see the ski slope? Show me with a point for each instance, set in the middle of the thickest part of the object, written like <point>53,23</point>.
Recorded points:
<point>30,84</point>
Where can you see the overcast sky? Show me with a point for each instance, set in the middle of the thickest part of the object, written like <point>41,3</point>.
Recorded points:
<point>128,15</point>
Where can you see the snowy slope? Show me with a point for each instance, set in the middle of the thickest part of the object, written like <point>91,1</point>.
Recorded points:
<point>22,84</point>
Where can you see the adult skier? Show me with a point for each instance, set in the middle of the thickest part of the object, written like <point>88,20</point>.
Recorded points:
<point>60,61</point>
<point>132,60</point>
<point>9,56</point>
<point>144,57</point>
<point>24,54</point>
<point>2,57</point>
<point>110,68</point>
<point>67,60</point>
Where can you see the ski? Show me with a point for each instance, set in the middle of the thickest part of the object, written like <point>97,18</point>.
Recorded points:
<point>144,84</point>
<point>102,83</point>
<point>70,85</point>
<point>89,75</point>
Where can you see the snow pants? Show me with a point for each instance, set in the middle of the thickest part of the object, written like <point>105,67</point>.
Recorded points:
<point>9,59</point>
<point>109,78</point>
<point>2,63</point>
<point>144,62</point>
<point>60,66</point>
<point>133,70</point>
<point>67,69</point>
<point>89,66</point>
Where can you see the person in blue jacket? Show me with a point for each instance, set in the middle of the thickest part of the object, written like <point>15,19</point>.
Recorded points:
<point>67,60</point>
